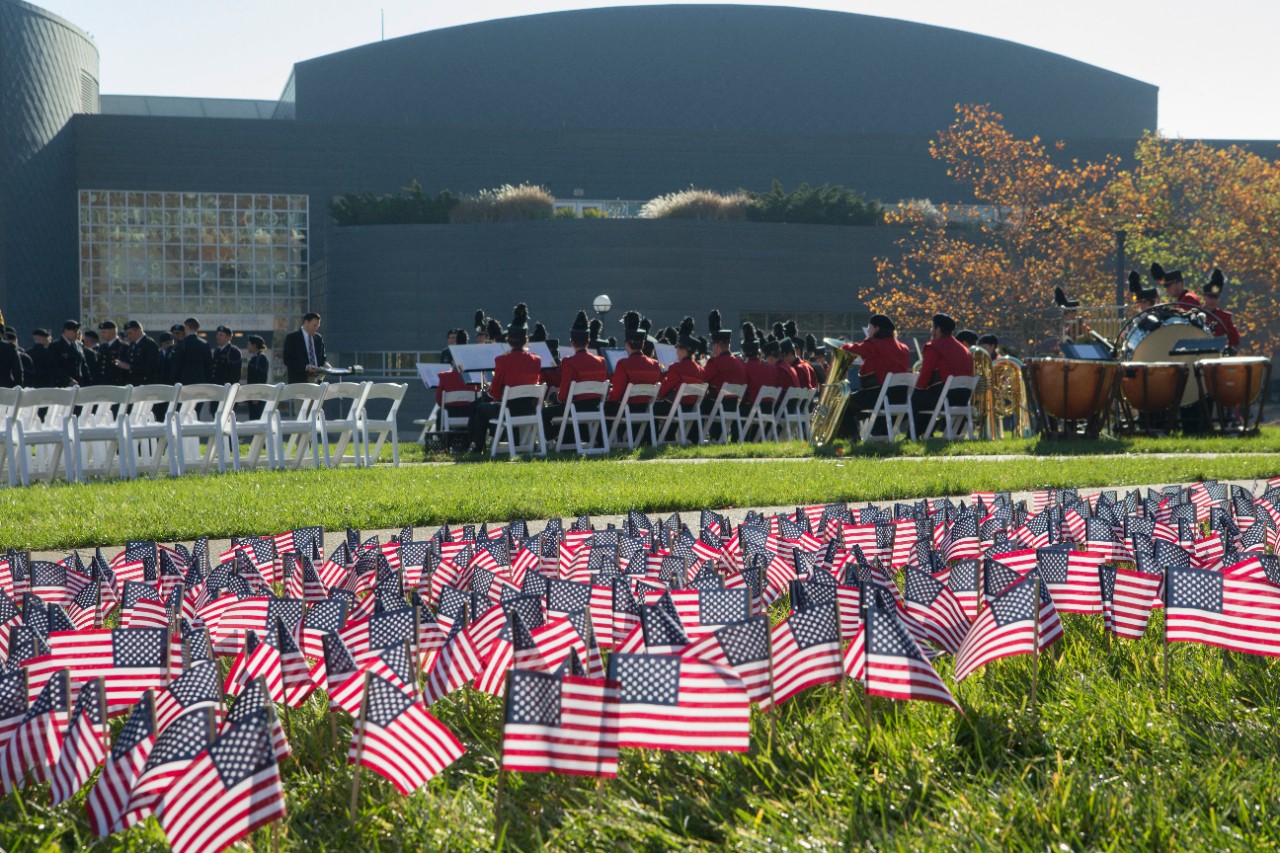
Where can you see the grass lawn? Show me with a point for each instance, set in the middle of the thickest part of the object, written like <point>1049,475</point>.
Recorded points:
<point>1105,764</point>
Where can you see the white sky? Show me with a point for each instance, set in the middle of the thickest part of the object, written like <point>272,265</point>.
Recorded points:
<point>1214,62</point>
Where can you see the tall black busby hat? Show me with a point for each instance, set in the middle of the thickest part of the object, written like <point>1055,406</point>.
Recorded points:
<point>750,346</point>
<point>719,334</point>
<point>1156,273</point>
<point>579,332</point>
<point>1217,281</point>
<point>1060,299</point>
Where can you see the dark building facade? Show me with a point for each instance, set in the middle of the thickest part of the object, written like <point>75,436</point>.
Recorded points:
<point>156,208</point>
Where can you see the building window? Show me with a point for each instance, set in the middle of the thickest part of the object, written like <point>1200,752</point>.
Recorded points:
<point>238,259</point>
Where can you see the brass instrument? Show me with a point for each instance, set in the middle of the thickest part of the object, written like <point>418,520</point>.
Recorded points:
<point>827,415</point>
<point>983,402</point>
<point>1009,396</point>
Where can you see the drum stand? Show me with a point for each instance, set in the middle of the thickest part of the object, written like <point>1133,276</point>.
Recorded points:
<point>1058,429</point>
<point>1223,417</point>
<point>1129,421</point>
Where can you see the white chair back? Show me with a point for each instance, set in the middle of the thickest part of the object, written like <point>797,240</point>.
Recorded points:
<point>98,430</point>
<point>761,417</point>
<point>148,429</point>
<point>522,433</point>
<point>260,428</point>
<point>632,414</point>
<point>957,418</point>
<point>894,413</point>
<point>724,416</point>
<point>203,411</point>
<point>345,425</point>
<point>8,402</point>
<point>297,423</point>
<point>42,433</point>
<point>588,424</point>
<point>382,423</point>
<point>685,415</point>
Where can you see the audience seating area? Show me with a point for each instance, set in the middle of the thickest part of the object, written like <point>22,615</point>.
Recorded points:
<point>78,434</point>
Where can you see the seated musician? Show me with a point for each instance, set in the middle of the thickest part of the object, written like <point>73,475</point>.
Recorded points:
<point>511,369</point>
<point>786,353</point>
<point>1144,298</point>
<point>453,380</point>
<point>1221,321</point>
<point>759,372</point>
<point>582,366</point>
<point>991,344</point>
<point>806,376</point>
<point>1174,288</point>
<point>814,357</point>
<point>685,371</point>
<point>881,353</point>
<point>943,357</point>
<point>968,337</point>
<point>636,369</point>
<point>723,368</point>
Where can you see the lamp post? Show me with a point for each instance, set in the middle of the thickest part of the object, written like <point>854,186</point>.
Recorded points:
<point>602,304</point>
<point>1120,265</point>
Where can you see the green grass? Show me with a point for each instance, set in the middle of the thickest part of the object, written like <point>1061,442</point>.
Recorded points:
<point>1105,765</point>
<point>67,516</point>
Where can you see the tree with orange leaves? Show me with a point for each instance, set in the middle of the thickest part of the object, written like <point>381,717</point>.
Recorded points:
<point>1040,223</point>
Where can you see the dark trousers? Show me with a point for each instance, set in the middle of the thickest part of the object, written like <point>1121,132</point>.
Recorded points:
<point>709,403</point>
<point>611,409</point>
<point>482,411</point>
<point>923,401</point>
<point>550,413</point>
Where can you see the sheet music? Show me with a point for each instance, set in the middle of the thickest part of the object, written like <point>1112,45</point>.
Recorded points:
<point>430,373</point>
<point>665,354</point>
<point>612,357</point>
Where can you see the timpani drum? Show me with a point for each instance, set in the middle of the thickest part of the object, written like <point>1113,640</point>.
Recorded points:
<point>1233,382</point>
<point>1153,386</point>
<point>1068,389</point>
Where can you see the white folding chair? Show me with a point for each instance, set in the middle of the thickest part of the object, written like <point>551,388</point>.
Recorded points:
<point>8,403</point>
<point>893,413</point>
<point>523,433</point>
<point>954,414</point>
<point>633,413</point>
<point>385,426</point>
<point>722,416</point>
<point>684,416</point>
<point>592,420</point>
<point>260,429</point>
<point>42,433</point>
<point>189,427</point>
<point>761,416</point>
<point>148,437</point>
<point>345,426</point>
<point>297,423</point>
<point>98,430</point>
<point>792,413</point>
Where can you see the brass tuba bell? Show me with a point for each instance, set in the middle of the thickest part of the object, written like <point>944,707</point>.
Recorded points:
<point>827,415</point>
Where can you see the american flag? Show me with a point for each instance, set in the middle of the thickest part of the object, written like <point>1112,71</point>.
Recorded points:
<point>1007,625</point>
<point>85,745</point>
<point>262,554</point>
<point>174,750</point>
<point>130,660</point>
<point>886,659</point>
<point>806,651</point>
<point>227,792</point>
<point>1234,609</point>
<point>141,607</point>
<point>1100,537</point>
<point>666,702</point>
<point>455,664</point>
<point>109,799</point>
<point>197,687</point>
<point>1072,578</point>
<point>961,541</point>
<point>744,648</point>
<point>397,738</point>
<point>563,636</point>
<point>515,643</point>
<point>557,723</point>
<point>32,750</point>
<point>1127,598</point>
<point>1208,552</point>
<point>625,611</point>
<point>86,609</point>
<point>252,699</point>
<point>13,701</point>
<point>135,561</point>
<point>935,609</point>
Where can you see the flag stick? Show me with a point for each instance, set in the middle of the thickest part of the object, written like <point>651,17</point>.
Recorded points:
<point>1035,642</point>
<point>844,681</point>
<point>1165,637</point>
<point>773,709</point>
<point>413,670</point>
<point>102,709</point>
<point>502,776</point>
<point>355,776</point>
<point>333,727</point>
<point>866,662</point>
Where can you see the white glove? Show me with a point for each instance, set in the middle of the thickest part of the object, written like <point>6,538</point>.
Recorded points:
<point>866,331</point>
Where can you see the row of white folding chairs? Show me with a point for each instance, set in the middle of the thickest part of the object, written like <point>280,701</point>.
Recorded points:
<point>772,414</point>
<point>957,419</point>
<point>104,431</point>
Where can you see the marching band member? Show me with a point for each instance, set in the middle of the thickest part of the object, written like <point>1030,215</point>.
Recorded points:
<point>511,369</point>
<point>723,368</point>
<point>881,353</point>
<point>1221,322</point>
<point>787,376</point>
<point>1144,298</point>
<point>1174,289</point>
<point>759,373</point>
<point>582,366</point>
<point>684,371</point>
<point>943,357</point>
<point>636,369</point>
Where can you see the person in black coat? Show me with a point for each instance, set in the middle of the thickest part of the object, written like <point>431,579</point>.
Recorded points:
<point>110,351</point>
<point>89,338</point>
<point>257,371</point>
<point>226,359</point>
<point>193,358</point>
<point>67,367</point>
<point>11,375</point>
<point>142,360</point>
<point>42,376</point>
<point>304,350</point>
<point>24,359</point>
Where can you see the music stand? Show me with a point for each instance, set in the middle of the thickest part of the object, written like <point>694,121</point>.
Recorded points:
<point>612,357</point>
<point>430,373</point>
<point>665,355</point>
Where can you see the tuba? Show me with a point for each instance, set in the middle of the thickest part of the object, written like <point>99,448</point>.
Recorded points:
<point>827,415</point>
<point>1009,396</point>
<point>983,399</point>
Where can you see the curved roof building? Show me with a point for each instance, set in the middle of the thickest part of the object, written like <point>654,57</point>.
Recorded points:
<point>157,208</point>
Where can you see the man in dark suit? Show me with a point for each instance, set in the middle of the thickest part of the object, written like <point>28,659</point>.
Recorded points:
<point>89,340</point>
<point>11,375</point>
<point>142,360</point>
<point>193,358</point>
<point>24,358</point>
<point>226,359</point>
<point>67,366</point>
<point>303,353</point>
<point>109,351</point>
<point>39,352</point>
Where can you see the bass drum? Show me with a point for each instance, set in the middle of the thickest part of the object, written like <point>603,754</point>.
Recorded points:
<point>1150,336</point>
